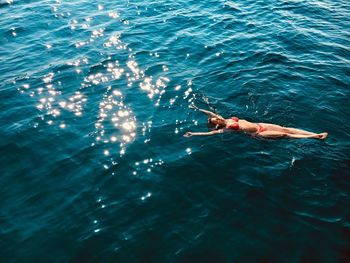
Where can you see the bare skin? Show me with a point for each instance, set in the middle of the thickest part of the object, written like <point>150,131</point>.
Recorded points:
<point>266,130</point>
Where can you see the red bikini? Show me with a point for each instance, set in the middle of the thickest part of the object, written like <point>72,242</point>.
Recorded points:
<point>235,125</point>
<point>261,128</point>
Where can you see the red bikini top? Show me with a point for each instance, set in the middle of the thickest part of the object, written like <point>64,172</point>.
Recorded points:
<point>235,125</point>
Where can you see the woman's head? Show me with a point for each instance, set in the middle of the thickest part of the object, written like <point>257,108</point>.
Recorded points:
<point>218,122</point>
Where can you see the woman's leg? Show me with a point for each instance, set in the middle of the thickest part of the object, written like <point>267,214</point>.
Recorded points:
<point>277,134</point>
<point>298,131</point>
<point>274,127</point>
<point>272,134</point>
<point>320,136</point>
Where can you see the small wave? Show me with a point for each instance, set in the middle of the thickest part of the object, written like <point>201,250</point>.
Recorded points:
<point>337,81</point>
<point>275,58</point>
<point>316,217</point>
<point>232,6</point>
<point>260,58</point>
<point>4,3</point>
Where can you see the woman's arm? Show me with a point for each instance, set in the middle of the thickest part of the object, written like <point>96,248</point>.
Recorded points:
<point>189,134</point>
<point>209,113</point>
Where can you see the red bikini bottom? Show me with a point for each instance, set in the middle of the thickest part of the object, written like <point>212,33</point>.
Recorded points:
<point>261,128</point>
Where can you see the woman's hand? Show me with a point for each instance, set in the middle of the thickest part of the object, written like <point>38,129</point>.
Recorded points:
<point>192,106</point>
<point>209,113</point>
<point>188,134</point>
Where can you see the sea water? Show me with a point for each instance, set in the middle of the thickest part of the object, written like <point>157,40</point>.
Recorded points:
<point>95,100</point>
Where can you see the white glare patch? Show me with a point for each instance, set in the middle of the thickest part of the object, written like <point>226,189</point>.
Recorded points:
<point>148,195</point>
<point>128,126</point>
<point>116,122</point>
<point>62,104</point>
<point>117,93</point>
<point>48,78</point>
<point>113,15</point>
<point>293,161</point>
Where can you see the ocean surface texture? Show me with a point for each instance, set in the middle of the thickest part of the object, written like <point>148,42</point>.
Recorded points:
<point>95,100</point>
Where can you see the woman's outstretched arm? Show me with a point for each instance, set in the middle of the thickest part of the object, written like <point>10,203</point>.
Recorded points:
<point>209,113</point>
<point>189,134</point>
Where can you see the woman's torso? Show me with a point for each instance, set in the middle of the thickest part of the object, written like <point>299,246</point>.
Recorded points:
<point>251,127</point>
<point>242,125</point>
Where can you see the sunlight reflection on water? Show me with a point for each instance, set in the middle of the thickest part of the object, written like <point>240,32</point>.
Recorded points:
<point>116,125</point>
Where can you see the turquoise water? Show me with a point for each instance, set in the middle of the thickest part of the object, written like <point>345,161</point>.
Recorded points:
<point>94,99</point>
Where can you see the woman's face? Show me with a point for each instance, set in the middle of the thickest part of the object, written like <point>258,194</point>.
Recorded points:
<point>218,122</point>
<point>212,121</point>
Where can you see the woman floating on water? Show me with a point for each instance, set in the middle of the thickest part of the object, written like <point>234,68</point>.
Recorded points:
<point>266,130</point>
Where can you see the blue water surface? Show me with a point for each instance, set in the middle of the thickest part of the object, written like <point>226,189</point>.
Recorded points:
<point>95,99</point>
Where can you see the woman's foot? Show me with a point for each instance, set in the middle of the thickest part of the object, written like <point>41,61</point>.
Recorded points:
<point>322,135</point>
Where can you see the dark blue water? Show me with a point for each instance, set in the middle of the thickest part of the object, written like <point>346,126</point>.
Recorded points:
<point>94,102</point>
